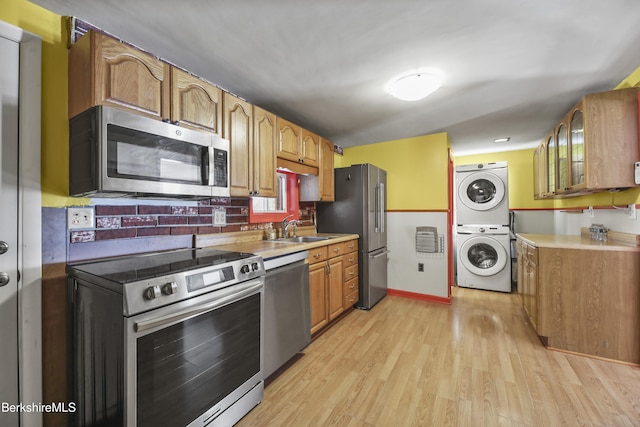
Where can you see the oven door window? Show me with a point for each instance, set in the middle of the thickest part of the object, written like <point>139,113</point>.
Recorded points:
<point>138,155</point>
<point>185,369</point>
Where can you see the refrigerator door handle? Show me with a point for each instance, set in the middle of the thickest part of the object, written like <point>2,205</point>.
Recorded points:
<point>379,254</point>
<point>376,209</point>
<point>381,206</point>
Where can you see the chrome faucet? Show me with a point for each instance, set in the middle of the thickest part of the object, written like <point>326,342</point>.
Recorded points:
<point>286,225</point>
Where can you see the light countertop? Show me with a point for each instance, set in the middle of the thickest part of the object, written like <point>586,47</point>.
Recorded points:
<point>576,242</point>
<point>269,249</point>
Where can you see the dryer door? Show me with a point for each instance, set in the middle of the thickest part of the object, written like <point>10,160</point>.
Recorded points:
<point>483,256</point>
<point>481,191</point>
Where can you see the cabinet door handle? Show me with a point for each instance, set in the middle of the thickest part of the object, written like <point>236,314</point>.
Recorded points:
<point>317,255</point>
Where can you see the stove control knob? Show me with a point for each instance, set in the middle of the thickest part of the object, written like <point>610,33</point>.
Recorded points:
<point>255,266</point>
<point>152,292</point>
<point>170,288</point>
<point>245,269</point>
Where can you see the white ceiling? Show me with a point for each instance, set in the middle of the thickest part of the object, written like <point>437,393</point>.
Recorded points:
<point>511,67</point>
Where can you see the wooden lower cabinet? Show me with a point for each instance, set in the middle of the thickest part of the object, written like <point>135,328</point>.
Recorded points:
<point>333,282</point>
<point>318,296</point>
<point>336,281</point>
<point>583,300</point>
<point>528,280</point>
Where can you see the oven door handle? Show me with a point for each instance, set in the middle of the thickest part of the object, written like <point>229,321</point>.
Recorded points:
<point>251,287</point>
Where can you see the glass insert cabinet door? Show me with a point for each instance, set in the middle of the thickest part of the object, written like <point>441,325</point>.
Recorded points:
<point>551,165</point>
<point>563,158</point>
<point>576,135</point>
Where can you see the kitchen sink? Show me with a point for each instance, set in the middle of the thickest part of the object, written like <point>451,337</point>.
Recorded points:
<point>300,239</point>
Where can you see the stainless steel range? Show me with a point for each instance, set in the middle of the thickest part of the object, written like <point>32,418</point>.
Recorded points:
<point>171,338</point>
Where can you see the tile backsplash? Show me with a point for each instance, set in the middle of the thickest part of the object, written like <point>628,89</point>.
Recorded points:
<point>146,220</point>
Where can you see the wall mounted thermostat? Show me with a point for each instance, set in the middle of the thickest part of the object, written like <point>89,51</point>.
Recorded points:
<point>637,172</point>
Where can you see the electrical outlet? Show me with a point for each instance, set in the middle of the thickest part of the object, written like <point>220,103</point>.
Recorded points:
<point>420,266</point>
<point>590,211</point>
<point>631,213</point>
<point>219,217</point>
<point>78,218</point>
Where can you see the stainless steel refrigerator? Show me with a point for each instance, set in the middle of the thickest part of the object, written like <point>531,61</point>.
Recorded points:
<point>360,207</point>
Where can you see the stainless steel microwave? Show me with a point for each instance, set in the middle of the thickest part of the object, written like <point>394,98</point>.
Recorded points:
<point>115,153</point>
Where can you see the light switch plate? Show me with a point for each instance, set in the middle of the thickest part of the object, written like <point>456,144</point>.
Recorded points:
<point>80,218</point>
<point>631,213</point>
<point>637,173</point>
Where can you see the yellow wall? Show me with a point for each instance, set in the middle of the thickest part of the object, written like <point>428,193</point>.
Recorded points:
<point>520,164</point>
<point>417,170</point>
<point>55,130</point>
<point>521,184</point>
<point>632,80</point>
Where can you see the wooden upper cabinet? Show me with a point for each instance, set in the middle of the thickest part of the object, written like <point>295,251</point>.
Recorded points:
<point>309,148</point>
<point>610,121</point>
<point>562,159</point>
<point>105,71</point>
<point>264,153</point>
<point>325,174</point>
<point>537,189</point>
<point>289,137</point>
<point>576,145</point>
<point>195,103</point>
<point>297,144</point>
<point>238,129</point>
<point>320,187</point>
<point>550,157</point>
<point>251,132</point>
<point>595,146</point>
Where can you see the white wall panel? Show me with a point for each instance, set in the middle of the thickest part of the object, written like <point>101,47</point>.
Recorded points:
<point>403,259</point>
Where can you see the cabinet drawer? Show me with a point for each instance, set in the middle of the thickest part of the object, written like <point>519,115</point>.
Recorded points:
<point>351,299</point>
<point>317,254</point>
<point>351,246</point>
<point>350,272</point>
<point>337,249</point>
<point>350,286</point>
<point>351,259</point>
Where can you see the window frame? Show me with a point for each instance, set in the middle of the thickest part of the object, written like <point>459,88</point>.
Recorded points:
<point>293,198</point>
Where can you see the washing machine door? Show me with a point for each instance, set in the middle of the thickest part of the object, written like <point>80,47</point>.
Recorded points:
<point>483,256</point>
<point>481,191</point>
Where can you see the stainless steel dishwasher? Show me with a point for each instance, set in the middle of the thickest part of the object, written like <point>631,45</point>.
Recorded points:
<point>287,311</point>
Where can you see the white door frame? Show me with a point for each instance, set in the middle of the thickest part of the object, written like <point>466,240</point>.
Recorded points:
<point>29,221</point>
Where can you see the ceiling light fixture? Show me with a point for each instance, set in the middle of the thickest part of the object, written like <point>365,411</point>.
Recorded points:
<point>498,140</point>
<point>414,86</point>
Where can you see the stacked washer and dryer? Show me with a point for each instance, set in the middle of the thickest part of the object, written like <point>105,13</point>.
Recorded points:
<point>482,226</point>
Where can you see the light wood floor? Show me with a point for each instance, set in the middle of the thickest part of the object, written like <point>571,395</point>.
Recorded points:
<point>474,363</point>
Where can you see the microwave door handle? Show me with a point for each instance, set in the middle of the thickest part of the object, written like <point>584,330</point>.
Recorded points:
<point>211,166</point>
<point>206,167</point>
